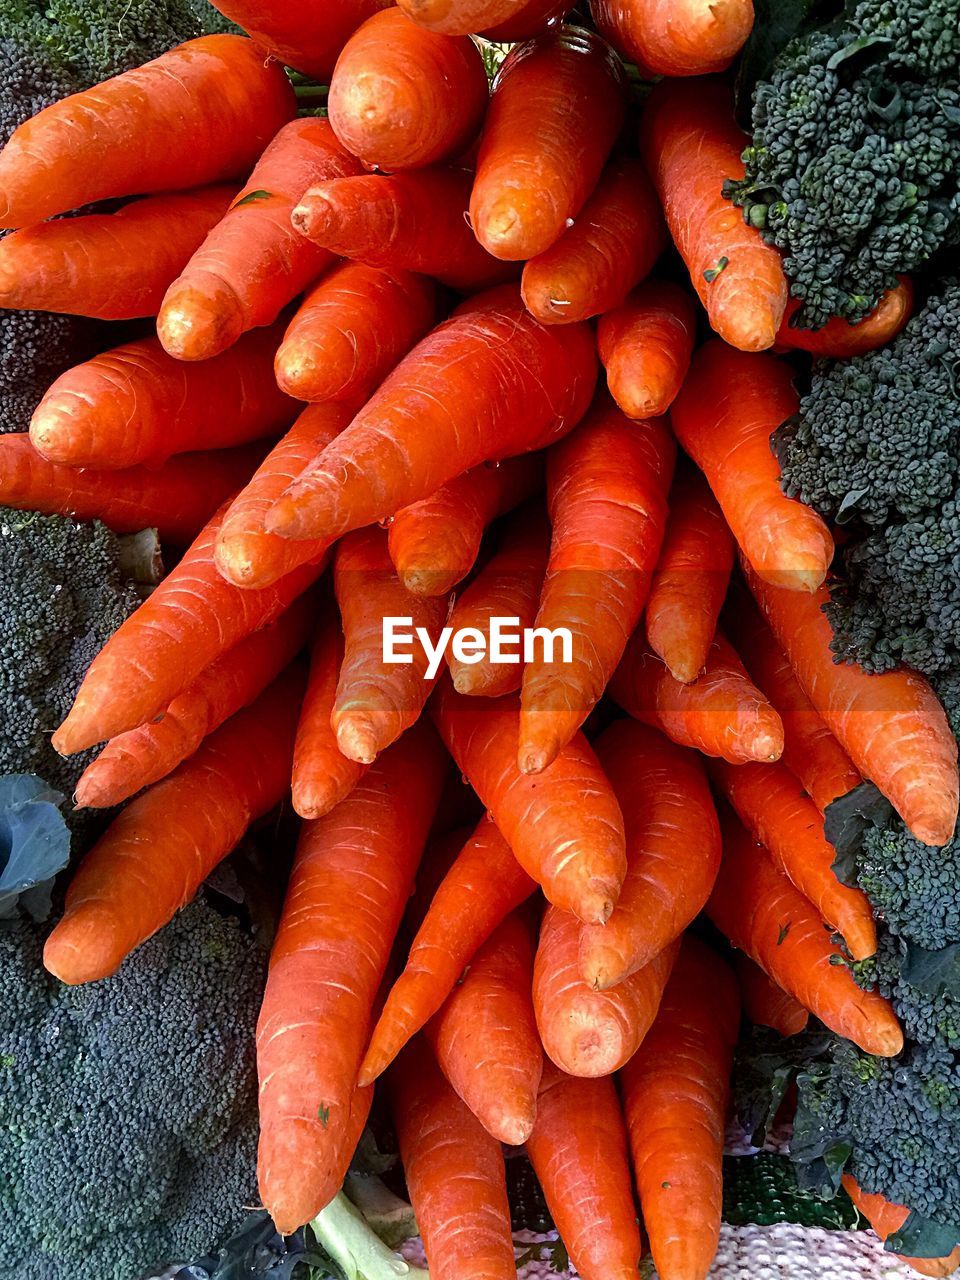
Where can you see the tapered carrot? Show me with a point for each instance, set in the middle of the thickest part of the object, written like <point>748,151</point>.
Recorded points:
<point>556,110</point>
<point>675,1094</point>
<point>351,878</point>
<point>155,855</point>
<point>691,144</point>
<point>487,384</point>
<point>886,1218</point>
<point>673,851</point>
<point>614,242</point>
<point>579,1152</point>
<point>667,38</point>
<point>764,1003</point>
<point>645,345</point>
<point>482,887</point>
<point>200,113</point>
<point>838,339</point>
<point>505,20</point>
<point>607,490</point>
<point>758,909</point>
<point>135,404</point>
<point>306,36</point>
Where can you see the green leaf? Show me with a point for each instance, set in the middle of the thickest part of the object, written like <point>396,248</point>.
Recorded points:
<point>845,822</point>
<point>935,973</point>
<point>34,844</point>
<point>711,273</point>
<point>782,935</point>
<point>854,48</point>
<point>323,1114</point>
<point>251,197</point>
<point>777,23</point>
<point>921,1238</point>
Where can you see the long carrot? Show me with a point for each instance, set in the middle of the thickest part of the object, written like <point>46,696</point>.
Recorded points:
<point>201,113</point>
<point>607,490</point>
<point>645,345</point>
<point>764,1003</point>
<point>673,851</point>
<point>505,20</point>
<point>758,909</point>
<point>155,855</point>
<point>564,826</point>
<point>614,242</point>
<point>675,1093</point>
<point>556,110</point>
<point>579,1152</point>
<point>675,37</point>
<point>487,384</point>
<point>351,878</point>
<point>482,887</point>
<point>838,339</point>
<point>690,144</point>
<point>886,1218</point>
<point>891,725</point>
<point>306,36</point>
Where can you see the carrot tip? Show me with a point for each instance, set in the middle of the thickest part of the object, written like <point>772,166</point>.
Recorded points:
<point>358,739</point>
<point>83,948</point>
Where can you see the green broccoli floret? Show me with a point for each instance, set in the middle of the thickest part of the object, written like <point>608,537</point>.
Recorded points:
<point>927,1016</point>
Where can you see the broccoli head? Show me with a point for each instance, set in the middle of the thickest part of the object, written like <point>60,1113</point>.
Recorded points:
<point>928,1013</point>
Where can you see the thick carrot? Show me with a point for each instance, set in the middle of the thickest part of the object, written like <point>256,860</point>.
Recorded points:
<point>557,107</point>
<point>673,851</point>
<point>135,404</point>
<point>613,244</point>
<point>607,490</point>
<point>306,36</point>
<point>675,37</point>
<point>502,20</point>
<point>886,1218</point>
<point>838,339</point>
<point>587,1032</point>
<point>691,144</point>
<point>891,725</point>
<point>155,855</point>
<point>254,262</point>
<point>200,113</point>
<point>675,1093</point>
<point>721,714</point>
<point>454,1171</point>
<point>758,909</point>
<point>351,878</point>
<point>350,331</point>
<point>579,1152</point>
<point>487,384</point>
<point>645,345</point>
<point>764,1003</point>
<point>482,887</point>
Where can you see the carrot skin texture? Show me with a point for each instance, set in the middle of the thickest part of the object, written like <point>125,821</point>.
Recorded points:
<point>499,20</point>
<point>886,1218</point>
<point>764,1003</point>
<point>667,38</point>
<point>307,37</point>
<point>646,345</point>
<point>838,339</point>
<point>200,113</point>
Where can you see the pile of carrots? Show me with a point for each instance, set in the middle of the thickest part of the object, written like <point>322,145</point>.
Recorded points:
<point>377,335</point>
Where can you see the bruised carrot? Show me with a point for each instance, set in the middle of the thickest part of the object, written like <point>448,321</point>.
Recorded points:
<point>764,1003</point>
<point>501,20</point>
<point>645,345</point>
<point>200,113</point>
<point>308,37</point>
<point>886,1219</point>
<point>838,339</point>
<point>675,37</point>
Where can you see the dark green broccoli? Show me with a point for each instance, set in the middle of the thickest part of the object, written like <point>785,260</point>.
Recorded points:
<point>927,1015</point>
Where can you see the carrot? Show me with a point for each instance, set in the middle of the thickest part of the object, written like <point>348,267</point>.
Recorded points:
<point>350,331</point>
<point>886,1219</point>
<point>645,345</point>
<point>691,144</point>
<point>487,384</point>
<point>135,404</point>
<point>155,855</point>
<point>455,1174</point>
<point>691,579</point>
<point>352,875</point>
<point>673,852</point>
<point>578,1149</point>
<point>565,826</point>
<point>721,714</point>
<point>587,1032</point>
<point>200,113</point>
<point>607,493</point>
<point>759,910</point>
<point>556,110</point>
<point>764,1003</point>
<point>499,20</point>
<point>675,1094</point>
<point>613,244</point>
<point>302,35</point>
<point>891,725</point>
<point>838,339</point>
<point>671,38</point>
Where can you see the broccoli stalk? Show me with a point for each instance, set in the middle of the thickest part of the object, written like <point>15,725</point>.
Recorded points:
<point>348,1239</point>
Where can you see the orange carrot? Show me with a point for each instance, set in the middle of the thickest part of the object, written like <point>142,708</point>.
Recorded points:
<point>691,143</point>
<point>556,110</point>
<point>579,1152</point>
<point>487,384</point>
<point>675,1094</point>
<point>886,1219</point>
<point>764,1003</point>
<point>350,331</point>
<point>838,339</point>
<point>645,345</point>
<point>758,909</point>
<point>671,38</point>
<point>501,20</point>
<point>135,404</point>
<point>482,887</point>
<point>673,851</point>
<point>721,714</point>
<point>306,36</point>
<point>891,725</point>
<point>351,878</point>
<point>200,113</point>
<point>613,244</point>
<point>155,855</point>
<point>527,19</point>
<point>587,1032</point>
<point>607,490</point>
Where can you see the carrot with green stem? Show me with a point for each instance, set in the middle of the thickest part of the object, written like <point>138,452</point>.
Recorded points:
<point>764,1003</point>
<point>308,37</point>
<point>646,345</point>
<point>501,20</point>
<point>667,38</point>
<point>838,339</point>
<point>886,1219</point>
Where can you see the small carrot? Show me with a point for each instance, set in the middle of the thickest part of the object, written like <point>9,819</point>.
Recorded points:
<point>838,339</point>
<point>308,37</point>
<point>498,20</point>
<point>667,38</point>
<point>155,855</point>
<point>673,851</point>
<point>764,1003</point>
<point>645,345</point>
<point>886,1219</point>
<point>200,113</point>
<point>691,144</point>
